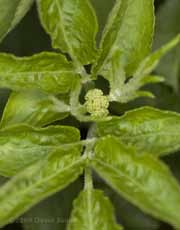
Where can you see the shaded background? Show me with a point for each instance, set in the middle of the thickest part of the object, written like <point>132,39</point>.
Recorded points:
<point>29,38</point>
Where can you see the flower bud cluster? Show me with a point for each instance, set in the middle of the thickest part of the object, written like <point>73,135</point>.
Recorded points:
<point>96,103</point>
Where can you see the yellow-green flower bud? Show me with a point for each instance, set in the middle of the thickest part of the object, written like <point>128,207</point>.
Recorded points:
<point>96,103</point>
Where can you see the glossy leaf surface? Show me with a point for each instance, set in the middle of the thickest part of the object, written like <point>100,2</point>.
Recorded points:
<point>23,145</point>
<point>39,181</point>
<point>33,108</point>
<point>49,72</point>
<point>148,129</point>
<point>123,91</point>
<point>72,26</point>
<point>129,32</point>
<point>142,179</point>
<point>92,210</point>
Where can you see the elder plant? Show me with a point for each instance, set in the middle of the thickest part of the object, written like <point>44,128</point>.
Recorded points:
<point>125,151</point>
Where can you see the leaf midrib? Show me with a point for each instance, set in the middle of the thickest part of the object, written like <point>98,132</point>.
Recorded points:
<point>106,165</point>
<point>7,217</point>
<point>36,72</point>
<point>47,178</point>
<point>114,42</point>
<point>62,23</point>
<point>89,203</point>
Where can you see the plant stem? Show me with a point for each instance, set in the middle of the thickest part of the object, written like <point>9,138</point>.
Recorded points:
<point>86,143</point>
<point>88,153</point>
<point>88,179</point>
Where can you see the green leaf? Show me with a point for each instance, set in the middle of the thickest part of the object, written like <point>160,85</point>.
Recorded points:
<point>166,99</point>
<point>148,129</point>
<point>170,65</point>
<point>33,108</point>
<point>102,11</point>
<point>142,179</point>
<point>151,62</point>
<point>22,145</point>
<point>131,217</point>
<point>11,12</point>
<point>128,31</point>
<point>49,72</point>
<point>72,26</point>
<point>92,210</point>
<point>52,213</point>
<point>124,92</point>
<point>39,181</point>
<point>152,79</point>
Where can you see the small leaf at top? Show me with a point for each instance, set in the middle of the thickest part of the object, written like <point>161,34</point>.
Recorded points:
<point>72,25</point>
<point>129,31</point>
<point>92,210</point>
<point>148,129</point>
<point>22,145</point>
<point>124,92</point>
<point>49,72</point>
<point>142,179</point>
<point>11,12</point>
<point>151,62</point>
<point>39,181</point>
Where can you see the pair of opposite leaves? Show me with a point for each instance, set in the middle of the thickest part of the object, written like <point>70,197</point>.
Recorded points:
<point>70,50</point>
